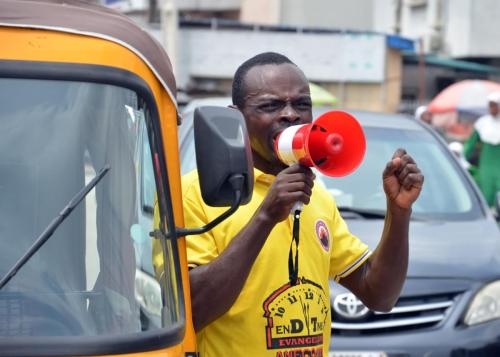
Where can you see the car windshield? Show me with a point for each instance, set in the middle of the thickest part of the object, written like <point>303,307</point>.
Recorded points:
<point>94,275</point>
<point>445,195</point>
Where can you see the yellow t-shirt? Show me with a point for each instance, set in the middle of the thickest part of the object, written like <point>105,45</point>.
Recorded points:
<point>270,317</point>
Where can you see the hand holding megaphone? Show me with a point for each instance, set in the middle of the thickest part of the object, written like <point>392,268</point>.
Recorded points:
<point>334,144</point>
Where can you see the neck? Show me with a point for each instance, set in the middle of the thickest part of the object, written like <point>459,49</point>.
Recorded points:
<point>272,168</point>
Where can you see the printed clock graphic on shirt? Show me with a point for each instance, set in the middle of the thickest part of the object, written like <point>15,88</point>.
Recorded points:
<point>296,316</point>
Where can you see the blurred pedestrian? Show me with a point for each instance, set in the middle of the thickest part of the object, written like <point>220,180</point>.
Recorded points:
<point>422,113</point>
<point>484,142</point>
<point>457,148</point>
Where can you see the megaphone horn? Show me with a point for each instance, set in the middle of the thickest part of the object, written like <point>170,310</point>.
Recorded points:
<point>334,143</point>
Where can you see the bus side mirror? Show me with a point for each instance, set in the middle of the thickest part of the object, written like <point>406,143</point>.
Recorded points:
<point>223,155</point>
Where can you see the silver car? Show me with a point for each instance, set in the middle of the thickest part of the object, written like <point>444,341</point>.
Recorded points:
<point>450,303</point>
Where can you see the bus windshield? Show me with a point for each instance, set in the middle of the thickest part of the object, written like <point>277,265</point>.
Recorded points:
<point>94,276</point>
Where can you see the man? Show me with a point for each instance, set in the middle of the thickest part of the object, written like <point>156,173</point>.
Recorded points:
<point>244,301</point>
<point>485,143</point>
<point>422,113</point>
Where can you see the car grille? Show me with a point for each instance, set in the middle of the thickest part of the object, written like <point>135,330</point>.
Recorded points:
<point>410,313</point>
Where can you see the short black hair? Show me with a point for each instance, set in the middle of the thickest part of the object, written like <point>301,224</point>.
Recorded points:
<point>258,60</point>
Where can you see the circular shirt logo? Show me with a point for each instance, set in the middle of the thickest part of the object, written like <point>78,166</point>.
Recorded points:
<point>297,317</point>
<point>323,235</point>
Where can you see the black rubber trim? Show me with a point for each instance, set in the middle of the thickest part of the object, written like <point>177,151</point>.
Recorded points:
<point>40,346</point>
<point>11,346</point>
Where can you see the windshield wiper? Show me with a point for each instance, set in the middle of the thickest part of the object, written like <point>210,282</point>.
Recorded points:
<point>362,213</point>
<point>51,228</point>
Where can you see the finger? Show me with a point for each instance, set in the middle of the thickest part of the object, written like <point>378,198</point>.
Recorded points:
<point>308,172</point>
<point>413,180</point>
<point>399,153</point>
<point>407,159</point>
<point>296,168</point>
<point>405,170</point>
<point>292,169</point>
<point>298,187</point>
<point>285,199</point>
<point>299,196</point>
<point>282,189</point>
<point>391,167</point>
<point>298,177</point>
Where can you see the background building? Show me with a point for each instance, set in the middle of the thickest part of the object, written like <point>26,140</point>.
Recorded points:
<point>454,39</point>
<point>384,55</point>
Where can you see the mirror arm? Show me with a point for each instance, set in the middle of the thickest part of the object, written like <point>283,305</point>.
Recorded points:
<point>237,182</point>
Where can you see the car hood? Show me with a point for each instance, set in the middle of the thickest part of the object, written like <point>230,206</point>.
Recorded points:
<point>440,249</point>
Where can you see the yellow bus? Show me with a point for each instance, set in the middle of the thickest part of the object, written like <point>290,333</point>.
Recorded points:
<point>89,178</point>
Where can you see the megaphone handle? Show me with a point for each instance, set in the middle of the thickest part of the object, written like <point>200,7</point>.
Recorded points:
<point>297,206</point>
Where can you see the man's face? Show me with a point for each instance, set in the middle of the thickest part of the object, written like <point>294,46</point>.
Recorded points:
<point>276,97</point>
<point>493,106</point>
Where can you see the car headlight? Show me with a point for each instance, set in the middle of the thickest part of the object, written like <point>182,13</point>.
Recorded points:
<point>485,306</point>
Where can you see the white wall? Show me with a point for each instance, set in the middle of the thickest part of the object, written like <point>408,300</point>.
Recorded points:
<point>485,25</point>
<point>458,31</point>
<point>342,14</point>
<point>261,11</point>
<point>210,5</point>
<point>384,18</point>
<point>459,28</point>
<point>323,57</point>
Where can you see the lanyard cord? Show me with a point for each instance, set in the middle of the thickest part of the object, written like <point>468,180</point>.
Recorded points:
<point>293,269</point>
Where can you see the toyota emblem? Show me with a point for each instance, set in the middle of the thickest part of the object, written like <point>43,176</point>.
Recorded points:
<point>349,306</point>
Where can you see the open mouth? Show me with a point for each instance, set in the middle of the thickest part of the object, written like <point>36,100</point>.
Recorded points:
<point>275,135</point>
<point>273,142</point>
<point>280,130</point>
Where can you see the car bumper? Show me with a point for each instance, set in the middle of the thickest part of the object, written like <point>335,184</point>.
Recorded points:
<point>479,340</point>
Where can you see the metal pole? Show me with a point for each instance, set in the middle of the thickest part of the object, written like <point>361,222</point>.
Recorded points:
<point>170,31</point>
<point>421,72</point>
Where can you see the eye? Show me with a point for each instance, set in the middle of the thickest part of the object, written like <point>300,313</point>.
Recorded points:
<point>271,106</point>
<point>303,105</point>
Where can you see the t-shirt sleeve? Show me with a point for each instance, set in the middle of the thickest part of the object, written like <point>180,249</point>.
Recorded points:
<point>348,251</point>
<point>201,249</point>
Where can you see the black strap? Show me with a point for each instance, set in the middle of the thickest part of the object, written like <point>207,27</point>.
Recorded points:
<point>293,269</point>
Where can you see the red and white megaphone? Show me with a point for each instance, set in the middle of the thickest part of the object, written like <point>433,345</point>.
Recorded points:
<point>334,144</point>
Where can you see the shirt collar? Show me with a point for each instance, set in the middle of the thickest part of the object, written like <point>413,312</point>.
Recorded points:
<point>259,176</point>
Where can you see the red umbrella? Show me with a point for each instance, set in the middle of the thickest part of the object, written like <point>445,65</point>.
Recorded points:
<point>464,96</point>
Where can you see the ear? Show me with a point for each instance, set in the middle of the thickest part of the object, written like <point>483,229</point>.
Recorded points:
<point>232,106</point>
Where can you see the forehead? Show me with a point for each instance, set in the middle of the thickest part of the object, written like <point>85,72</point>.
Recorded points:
<point>278,80</point>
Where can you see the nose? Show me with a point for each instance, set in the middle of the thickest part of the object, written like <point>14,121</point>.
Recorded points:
<point>289,115</point>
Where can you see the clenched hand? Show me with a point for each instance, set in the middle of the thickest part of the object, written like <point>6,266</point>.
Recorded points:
<point>293,184</point>
<point>402,180</point>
